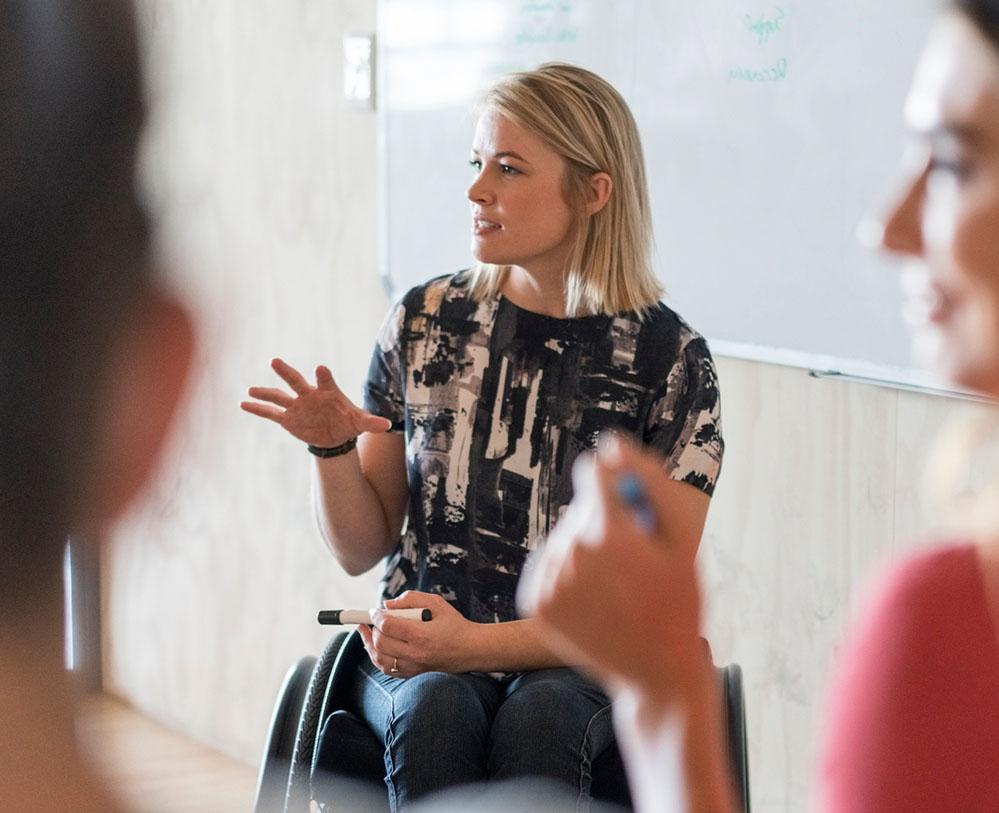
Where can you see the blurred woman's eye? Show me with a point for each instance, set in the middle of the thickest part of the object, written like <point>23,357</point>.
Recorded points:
<point>957,168</point>
<point>506,169</point>
<point>950,158</point>
<point>475,164</point>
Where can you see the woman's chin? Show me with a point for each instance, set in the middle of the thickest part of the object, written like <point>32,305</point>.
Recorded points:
<point>967,369</point>
<point>488,258</point>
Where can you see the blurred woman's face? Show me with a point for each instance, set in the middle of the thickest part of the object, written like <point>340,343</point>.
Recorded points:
<point>947,217</point>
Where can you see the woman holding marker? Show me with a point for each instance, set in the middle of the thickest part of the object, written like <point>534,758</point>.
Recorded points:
<point>484,388</point>
<point>914,722</point>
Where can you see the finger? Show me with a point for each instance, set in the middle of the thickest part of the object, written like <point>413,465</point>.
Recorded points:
<point>367,422</point>
<point>324,379</point>
<point>413,598</point>
<point>263,411</point>
<point>275,396</point>
<point>384,660</point>
<point>389,647</point>
<point>574,520</point>
<point>537,586</point>
<point>398,669</point>
<point>615,514</point>
<point>671,501</point>
<point>292,377</point>
<point>585,511</point>
<point>388,628</point>
<point>527,586</point>
<point>620,452</point>
<point>642,493</point>
<point>369,645</point>
<point>542,568</point>
<point>373,647</point>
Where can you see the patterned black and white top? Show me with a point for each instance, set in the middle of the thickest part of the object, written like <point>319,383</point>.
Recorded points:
<point>497,402</point>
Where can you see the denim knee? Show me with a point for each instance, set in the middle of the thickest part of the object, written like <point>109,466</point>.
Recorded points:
<point>552,726</point>
<point>437,706</point>
<point>437,735</point>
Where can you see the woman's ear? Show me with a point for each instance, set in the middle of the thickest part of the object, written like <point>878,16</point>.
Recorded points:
<point>601,188</point>
<point>146,380</point>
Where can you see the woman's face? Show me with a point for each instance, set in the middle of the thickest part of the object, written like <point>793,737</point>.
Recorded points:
<point>947,217</point>
<point>519,215</point>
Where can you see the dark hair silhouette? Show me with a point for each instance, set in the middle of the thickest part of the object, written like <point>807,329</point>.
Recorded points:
<point>73,259</point>
<point>984,14</point>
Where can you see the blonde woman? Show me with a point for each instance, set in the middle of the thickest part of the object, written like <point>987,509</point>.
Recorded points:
<point>484,388</point>
<point>914,721</point>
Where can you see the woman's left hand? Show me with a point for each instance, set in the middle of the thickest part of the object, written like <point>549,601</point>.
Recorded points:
<point>404,647</point>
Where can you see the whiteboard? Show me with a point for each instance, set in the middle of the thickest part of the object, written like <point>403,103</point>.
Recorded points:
<point>771,130</point>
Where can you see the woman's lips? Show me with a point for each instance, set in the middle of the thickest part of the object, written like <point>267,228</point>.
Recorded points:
<point>938,306</point>
<point>481,226</point>
<point>923,300</point>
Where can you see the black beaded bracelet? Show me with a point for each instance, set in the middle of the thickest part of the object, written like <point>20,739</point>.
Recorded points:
<point>333,451</point>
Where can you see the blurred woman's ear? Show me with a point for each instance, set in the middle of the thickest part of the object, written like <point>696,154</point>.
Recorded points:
<point>146,382</point>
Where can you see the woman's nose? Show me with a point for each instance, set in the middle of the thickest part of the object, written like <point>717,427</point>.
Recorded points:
<point>479,192</point>
<point>903,222</point>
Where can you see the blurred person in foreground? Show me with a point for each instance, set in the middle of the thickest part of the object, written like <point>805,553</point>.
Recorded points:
<point>93,357</point>
<point>914,716</point>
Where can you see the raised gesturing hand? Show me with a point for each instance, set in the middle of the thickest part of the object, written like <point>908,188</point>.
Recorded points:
<point>320,415</point>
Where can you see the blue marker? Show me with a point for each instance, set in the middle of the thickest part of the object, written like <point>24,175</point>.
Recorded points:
<point>630,490</point>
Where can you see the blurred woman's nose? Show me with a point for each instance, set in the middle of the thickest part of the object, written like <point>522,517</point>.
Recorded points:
<point>903,222</point>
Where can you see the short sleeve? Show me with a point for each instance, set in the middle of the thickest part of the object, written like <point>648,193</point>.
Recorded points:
<point>385,388</point>
<point>685,422</point>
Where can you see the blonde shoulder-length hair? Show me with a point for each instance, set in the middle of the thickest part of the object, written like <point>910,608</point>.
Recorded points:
<point>585,120</point>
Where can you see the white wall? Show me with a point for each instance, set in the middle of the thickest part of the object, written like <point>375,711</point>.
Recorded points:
<point>266,183</point>
<point>821,488</point>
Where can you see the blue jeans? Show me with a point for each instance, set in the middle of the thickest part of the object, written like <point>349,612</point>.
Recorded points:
<point>441,730</point>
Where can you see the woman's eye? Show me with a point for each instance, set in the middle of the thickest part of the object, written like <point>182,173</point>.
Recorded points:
<point>955,167</point>
<point>475,164</point>
<point>506,169</point>
<point>950,167</point>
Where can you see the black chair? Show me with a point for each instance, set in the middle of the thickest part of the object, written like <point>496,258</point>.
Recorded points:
<point>730,678</point>
<point>272,782</point>
<point>315,740</point>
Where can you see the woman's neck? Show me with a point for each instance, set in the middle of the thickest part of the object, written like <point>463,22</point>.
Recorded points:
<point>538,293</point>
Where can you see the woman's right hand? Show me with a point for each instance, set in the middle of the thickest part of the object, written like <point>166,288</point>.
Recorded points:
<point>319,415</point>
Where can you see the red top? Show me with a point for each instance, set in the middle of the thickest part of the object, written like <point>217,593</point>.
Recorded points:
<point>914,718</point>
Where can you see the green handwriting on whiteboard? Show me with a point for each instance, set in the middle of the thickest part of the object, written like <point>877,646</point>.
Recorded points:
<point>541,8</point>
<point>546,36</point>
<point>777,73</point>
<point>764,27</point>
